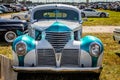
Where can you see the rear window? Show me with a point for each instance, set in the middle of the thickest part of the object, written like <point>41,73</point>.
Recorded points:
<point>56,14</point>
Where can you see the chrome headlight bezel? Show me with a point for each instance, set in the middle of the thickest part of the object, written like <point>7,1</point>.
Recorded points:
<point>21,48</point>
<point>94,49</point>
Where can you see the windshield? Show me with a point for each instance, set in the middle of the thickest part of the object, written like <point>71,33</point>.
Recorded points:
<point>56,14</point>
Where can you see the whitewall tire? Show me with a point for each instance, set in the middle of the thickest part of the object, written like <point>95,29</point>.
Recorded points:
<point>10,36</point>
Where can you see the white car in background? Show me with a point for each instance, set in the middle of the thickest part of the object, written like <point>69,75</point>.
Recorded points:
<point>116,35</point>
<point>93,13</point>
<point>21,16</point>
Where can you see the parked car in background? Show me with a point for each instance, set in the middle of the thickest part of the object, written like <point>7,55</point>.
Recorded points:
<point>116,35</point>
<point>54,43</point>
<point>21,16</point>
<point>13,7</point>
<point>5,8</point>
<point>93,13</point>
<point>10,29</point>
<point>2,10</point>
<point>118,8</point>
<point>23,8</point>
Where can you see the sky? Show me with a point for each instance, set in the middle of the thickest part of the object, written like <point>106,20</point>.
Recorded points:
<point>70,0</point>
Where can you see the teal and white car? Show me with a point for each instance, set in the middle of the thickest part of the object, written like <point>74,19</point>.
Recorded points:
<point>54,43</point>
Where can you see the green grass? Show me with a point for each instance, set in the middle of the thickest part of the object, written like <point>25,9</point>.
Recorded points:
<point>111,61</point>
<point>112,20</point>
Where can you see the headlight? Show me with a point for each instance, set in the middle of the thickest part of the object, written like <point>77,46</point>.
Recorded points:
<point>21,48</point>
<point>94,49</point>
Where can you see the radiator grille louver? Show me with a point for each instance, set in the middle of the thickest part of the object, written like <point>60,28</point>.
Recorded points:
<point>58,39</point>
<point>70,57</point>
<point>46,57</point>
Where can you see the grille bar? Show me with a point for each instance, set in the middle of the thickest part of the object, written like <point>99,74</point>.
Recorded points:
<point>58,39</point>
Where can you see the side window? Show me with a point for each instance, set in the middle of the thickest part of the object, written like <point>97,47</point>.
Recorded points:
<point>93,10</point>
<point>88,10</point>
<point>76,35</point>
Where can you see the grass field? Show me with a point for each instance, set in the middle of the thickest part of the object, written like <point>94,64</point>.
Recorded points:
<point>111,61</point>
<point>112,20</point>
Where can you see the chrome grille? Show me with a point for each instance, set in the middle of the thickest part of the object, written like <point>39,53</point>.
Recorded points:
<point>58,39</point>
<point>46,57</point>
<point>70,57</point>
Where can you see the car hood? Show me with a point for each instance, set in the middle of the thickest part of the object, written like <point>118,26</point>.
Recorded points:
<point>12,24</point>
<point>10,21</point>
<point>42,25</point>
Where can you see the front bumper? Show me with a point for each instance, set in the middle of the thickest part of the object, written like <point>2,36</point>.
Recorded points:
<point>56,69</point>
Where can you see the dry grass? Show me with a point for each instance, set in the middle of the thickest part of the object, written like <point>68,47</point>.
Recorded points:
<point>111,61</point>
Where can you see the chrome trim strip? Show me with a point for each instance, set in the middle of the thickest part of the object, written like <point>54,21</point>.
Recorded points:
<point>58,59</point>
<point>61,69</point>
<point>3,29</point>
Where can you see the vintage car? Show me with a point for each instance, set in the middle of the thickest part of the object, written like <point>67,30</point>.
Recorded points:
<point>21,16</point>
<point>54,43</point>
<point>10,29</point>
<point>116,35</point>
<point>93,13</point>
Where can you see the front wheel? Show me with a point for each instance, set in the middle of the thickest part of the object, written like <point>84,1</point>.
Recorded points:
<point>114,38</point>
<point>10,36</point>
<point>103,15</point>
<point>16,18</point>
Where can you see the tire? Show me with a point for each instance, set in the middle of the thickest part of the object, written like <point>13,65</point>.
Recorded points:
<point>118,42</point>
<point>103,15</point>
<point>114,38</point>
<point>83,15</point>
<point>16,18</point>
<point>14,10</point>
<point>10,36</point>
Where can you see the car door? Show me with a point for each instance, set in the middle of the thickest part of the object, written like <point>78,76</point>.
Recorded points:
<point>93,12</point>
<point>90,12</point>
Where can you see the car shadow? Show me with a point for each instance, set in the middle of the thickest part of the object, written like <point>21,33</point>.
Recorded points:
<point>58,76</point>
<point>118,54</point>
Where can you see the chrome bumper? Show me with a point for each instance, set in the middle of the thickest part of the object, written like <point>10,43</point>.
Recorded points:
<point>56,69</point>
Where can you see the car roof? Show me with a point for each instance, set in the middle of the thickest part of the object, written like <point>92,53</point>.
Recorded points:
<point>51,6</point>
<point>55,6</point>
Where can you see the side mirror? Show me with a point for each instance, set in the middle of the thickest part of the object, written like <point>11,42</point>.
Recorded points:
<point>81,21</point>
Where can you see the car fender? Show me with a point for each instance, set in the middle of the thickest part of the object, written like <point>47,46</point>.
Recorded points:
<point>85,46</point>
<point>30,48</point>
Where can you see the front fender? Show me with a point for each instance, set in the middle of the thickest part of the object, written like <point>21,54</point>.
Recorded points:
<point>30,42</point>
<point>85,46</point>
<point>87,40</point>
